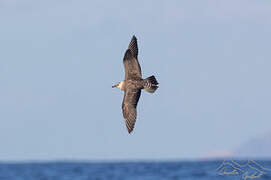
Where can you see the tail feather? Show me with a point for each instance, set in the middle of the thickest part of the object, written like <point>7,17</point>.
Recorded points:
<point>150,84</point>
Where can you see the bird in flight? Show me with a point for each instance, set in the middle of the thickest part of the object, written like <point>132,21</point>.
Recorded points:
<point>132,84</point>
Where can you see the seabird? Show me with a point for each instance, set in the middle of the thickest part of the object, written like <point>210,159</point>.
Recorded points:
<point>132,84</point>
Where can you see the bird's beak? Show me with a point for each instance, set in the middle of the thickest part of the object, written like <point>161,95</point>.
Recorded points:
<point>114,86</point>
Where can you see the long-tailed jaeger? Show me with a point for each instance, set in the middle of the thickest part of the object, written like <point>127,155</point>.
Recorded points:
<point>133,84</point>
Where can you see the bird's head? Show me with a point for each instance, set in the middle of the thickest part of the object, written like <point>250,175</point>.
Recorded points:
<point>119,85</point>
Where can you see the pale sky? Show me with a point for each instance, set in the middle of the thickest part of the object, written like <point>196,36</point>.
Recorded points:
<point>58,61</point>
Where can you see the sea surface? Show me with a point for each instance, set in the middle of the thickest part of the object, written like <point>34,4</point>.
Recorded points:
<point>182,170</point>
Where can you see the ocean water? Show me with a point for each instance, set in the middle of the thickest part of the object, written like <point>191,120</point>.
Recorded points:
<point>203,170</point>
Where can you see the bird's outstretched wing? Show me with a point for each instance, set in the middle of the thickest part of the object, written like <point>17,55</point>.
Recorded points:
<point>130,100</point>
<point>131,64</point>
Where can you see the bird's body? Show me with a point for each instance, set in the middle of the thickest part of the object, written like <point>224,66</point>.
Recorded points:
<point>133,84</point>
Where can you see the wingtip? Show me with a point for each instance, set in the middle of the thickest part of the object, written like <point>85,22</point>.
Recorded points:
<point>133,46</point>
<point>130,131</point>
<point>134,39</point>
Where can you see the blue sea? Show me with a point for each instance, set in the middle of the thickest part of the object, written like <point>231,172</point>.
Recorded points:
<point>182,170</point>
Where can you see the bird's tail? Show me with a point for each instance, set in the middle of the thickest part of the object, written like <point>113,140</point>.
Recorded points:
<point>150,84</point>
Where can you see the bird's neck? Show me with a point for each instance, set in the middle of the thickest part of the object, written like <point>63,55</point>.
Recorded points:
<point>122,85</point>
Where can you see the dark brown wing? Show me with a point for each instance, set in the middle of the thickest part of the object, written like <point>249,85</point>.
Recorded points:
<point>131,64</point>
<point>130,100</point>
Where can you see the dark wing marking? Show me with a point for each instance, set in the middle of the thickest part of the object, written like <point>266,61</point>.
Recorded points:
<point>129,104</point>
<point>131,64</point>
<point>133,47</point>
